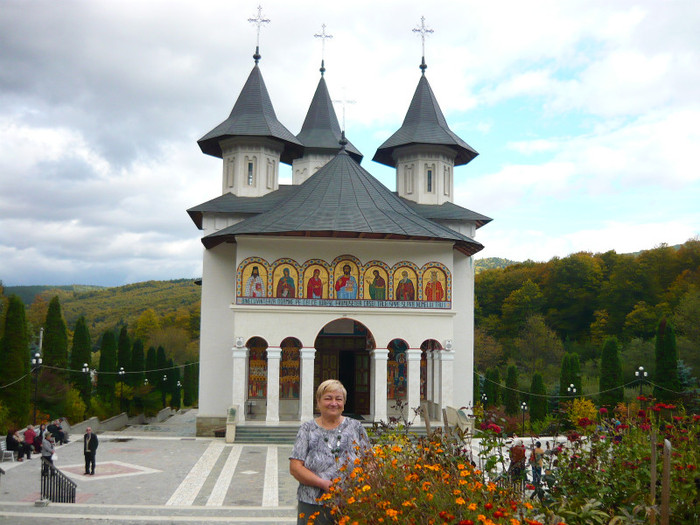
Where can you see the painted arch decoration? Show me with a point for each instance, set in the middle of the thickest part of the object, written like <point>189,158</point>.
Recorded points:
<point>345,281</point>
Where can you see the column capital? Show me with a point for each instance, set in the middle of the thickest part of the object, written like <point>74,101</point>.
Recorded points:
<point>273,353</point>
<point>240,352</point>
<point>447,355</point>
<point>307,353</point>
<point>380,353</point>
<point>413,354</point>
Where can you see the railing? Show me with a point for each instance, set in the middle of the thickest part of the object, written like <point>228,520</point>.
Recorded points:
<point>56,486</point>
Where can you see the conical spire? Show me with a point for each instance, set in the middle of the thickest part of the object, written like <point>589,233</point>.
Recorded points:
<point>321,130</point>
<point>424,124</point>
<point>252,116</point>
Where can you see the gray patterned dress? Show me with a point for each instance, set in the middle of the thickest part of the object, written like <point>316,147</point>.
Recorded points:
<point>325,451</point>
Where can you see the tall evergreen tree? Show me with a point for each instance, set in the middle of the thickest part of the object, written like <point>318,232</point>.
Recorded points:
<point>511,396</point>
<point>107,372</point>
<point>611,385</point>
<point>79,356</point>
<point>575,372</point>
<point>538,401</point>
<point>55,347</point>
<point>564,374</point>
<point>124,352</point>
<point>174,378</point>
<point>137,363</point>
<point>15,366</point>
<point>492,387</point>
<point>666,373</point>
<point>476,388</point>
<point>151,367</point>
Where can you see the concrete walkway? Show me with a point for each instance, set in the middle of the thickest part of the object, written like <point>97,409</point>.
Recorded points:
<point>159,473</point>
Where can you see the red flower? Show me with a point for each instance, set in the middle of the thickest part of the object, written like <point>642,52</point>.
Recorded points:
<point>641,398</point>
<point>488,506</point>
<point>466,522</point>
<point>603,410</point>
<point>642,413</point>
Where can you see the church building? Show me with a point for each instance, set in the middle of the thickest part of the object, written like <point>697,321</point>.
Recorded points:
<point>335,275</point>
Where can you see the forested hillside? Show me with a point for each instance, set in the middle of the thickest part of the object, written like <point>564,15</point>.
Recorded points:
<point>530,314</point>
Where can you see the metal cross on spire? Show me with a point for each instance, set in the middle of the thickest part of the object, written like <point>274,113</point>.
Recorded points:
<point>344,101</point>
<point>323,36</point>
<point>258,21</point>
<point>423,32</point>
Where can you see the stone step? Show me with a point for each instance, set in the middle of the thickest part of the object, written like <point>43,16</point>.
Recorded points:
<point>21,513</point>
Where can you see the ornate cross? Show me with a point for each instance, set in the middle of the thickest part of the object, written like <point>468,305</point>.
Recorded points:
<point>258,21</point>
<point>423,31</point>
<point>344,102</point>
<point>323,36</point>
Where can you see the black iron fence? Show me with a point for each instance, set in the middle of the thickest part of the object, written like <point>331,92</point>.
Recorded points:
<point>56,486</point>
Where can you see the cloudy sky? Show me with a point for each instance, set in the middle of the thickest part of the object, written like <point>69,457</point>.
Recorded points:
<point>585,115</point>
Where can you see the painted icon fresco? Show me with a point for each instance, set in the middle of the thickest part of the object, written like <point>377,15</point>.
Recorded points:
<point>405,284</point>
<point>289,369</point>
<point>435,286</point>
<point>316,282</point>
<point>345,279</point>
<point>257,368</point>
<point>255,279</point>
<point>285,278</point>
<point>376,283</point>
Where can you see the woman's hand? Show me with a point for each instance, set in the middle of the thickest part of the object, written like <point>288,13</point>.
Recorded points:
<point>307,477</point>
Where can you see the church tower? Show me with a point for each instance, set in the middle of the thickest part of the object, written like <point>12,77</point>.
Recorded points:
<point>251,141</point>
<point>424,150</point>
<point>320,134</point>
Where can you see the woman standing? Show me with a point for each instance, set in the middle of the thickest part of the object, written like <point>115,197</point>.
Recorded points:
<point>47,451</point>
<point>323,445</point>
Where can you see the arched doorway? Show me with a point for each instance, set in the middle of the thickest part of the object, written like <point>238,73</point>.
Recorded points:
<point>343,351</point>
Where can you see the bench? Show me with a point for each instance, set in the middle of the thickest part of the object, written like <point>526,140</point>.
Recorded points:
<point>6,453</point>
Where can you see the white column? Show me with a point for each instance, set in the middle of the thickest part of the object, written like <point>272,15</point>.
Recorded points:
<point>436,408</point>
<point>429,375</point>
<point>240,378</point>
<point>413,387</point>
<point>447,358</point>
<point>273,384</point>
<point>378,385</point>
<point>306,390</point>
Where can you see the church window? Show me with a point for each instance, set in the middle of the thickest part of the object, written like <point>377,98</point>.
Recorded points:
<point>229,172</point>
<point>250,174</point>
<point>430,181</point>
<point>446,181</point>
<point>270,174</point>
<point>408,179</point>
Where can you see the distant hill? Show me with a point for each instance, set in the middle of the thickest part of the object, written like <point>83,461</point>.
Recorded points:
<point>489,263</point>
<point>28,293</point>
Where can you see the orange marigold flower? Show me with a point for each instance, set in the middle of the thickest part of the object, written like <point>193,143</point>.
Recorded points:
<point>429,496</point>
<point>513,521</point>
<point>461,467</point>
<point>366,488</point>
<point>464,473</point>
<point>472,506</point>
<point>460,501</point>
<point>456,492</point>
<point>351,500</point>
<point>492,487</point>
<point>528,505</point>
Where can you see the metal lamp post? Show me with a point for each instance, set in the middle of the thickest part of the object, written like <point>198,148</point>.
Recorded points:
<point>641,375</point>
<point>523,407</point>
<point>484,399</point>
<point>179,386</point>
<point>165,381</point>
<point>88,389</point>
<point>36,365</point>
<point>121,387</point>
<point>571,389</point>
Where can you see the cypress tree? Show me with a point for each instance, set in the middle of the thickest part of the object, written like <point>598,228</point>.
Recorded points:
<point>492,387</point>
<point>575,373</point>
<point>175,391</point>
<point>55,347</point>
<point>476,389</point>
<point>151,366</point>
<point>16,368</point>
<point>107,373</point>
<point>79,355</point>
<point>124,352</point>
<point>137,364</point>
<point>538,403</point>
<point>666,373</point>
<point>510,395</point>
<point>610,385</point>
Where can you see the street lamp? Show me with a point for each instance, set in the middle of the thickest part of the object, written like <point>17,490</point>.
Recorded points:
<point>36,365</point>
<point>145,382</point>
<point>163,389</point>
<point>641,374</point>
<point>179,386</point>
<point>121,387</point>
<point>88,389</point>
<point>484,399</point>
<point>571,389</point>
<point>523,407</point>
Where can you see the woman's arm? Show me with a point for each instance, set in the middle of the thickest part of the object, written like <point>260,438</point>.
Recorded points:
<point>306,477</point>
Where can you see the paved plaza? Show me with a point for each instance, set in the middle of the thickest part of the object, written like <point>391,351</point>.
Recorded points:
<point>159,474</point>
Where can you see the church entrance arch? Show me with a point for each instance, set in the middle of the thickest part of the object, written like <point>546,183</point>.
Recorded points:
<point>343,349</point>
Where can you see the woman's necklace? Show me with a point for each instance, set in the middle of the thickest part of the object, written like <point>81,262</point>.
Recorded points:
<point>334,446</point>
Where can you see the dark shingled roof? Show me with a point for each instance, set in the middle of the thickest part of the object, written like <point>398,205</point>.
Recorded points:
<point>252,116</point>
<point>343,200</point>
<point>424,124</point>
<point>447,211</point>
<point>321,130</point>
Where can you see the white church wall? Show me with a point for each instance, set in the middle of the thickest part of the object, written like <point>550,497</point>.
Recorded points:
<point>463,344</point>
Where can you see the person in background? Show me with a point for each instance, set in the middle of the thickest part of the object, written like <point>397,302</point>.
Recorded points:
<point>29,437</point>
<point>16,444</point>
<point>47,451</point>
<point>39,438</point>
<point>90,443</point>
<point>536,461</point>
<point>323,445</point>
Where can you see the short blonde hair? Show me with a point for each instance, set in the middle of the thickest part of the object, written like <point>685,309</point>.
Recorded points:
<point>331,385</point>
